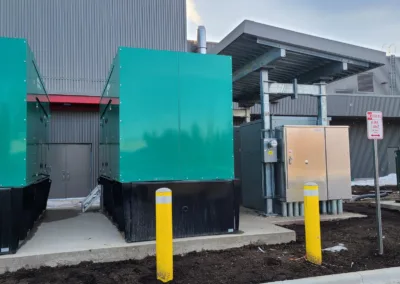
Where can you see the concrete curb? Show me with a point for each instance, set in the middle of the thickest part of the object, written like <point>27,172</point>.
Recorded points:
<point>380,276</point>
<point>12,263</point>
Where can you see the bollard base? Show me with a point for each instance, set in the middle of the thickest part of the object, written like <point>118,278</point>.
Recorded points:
<point>199,207</point>
<point>20,208</point>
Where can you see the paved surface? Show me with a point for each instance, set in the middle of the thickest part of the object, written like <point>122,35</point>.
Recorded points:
<point>380,276</point>
<point>300,220</point>
<point>324,218</point>
<point>389,204</point>
<point>67,237</point>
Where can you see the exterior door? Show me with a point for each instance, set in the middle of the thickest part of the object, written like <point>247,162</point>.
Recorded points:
<point>305,154</point>
<point>70,166</point>
<point>57,166</point>
<point>78,161</point>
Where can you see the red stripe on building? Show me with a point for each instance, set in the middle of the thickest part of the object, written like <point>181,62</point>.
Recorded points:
<point>64,99</point>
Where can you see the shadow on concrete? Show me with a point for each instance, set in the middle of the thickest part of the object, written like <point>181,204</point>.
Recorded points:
<point>51,216</point>
<point>58,215</point>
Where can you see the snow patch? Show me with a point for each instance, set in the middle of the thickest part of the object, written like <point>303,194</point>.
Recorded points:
<point>386,180</point>
<point>337,248</point>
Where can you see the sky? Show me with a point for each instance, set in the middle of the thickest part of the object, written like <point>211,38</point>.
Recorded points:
<point>369,23</point>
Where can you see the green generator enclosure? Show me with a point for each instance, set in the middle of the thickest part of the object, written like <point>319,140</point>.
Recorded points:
<point>167,116</point>
<point>24,116</point>
<point>166,122</point>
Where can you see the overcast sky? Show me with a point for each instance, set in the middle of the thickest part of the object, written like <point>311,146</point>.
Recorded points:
<point>369,23</point>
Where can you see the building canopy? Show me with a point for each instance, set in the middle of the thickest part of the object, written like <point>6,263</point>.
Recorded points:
<point>289,55</point>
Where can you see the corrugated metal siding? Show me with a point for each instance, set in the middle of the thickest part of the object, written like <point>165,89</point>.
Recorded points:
<point>337,106</point>
<point>303,106</point>
<point>77,128</point>
<point>358,106</point>
<point>361,148</point>
<point>74,41</point>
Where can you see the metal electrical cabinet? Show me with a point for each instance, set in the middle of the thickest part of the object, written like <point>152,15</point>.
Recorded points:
<point>303,159</point>
<point>306,153</point>
<point>317,154</point>
<point>338,162</point>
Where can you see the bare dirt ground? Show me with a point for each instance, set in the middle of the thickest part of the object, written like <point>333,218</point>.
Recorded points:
<point>251,264</point>
<point>358,190</point>
<point>392,189</point>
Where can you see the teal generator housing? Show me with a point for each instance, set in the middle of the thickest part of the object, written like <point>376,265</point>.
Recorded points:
<point>166,121</point>
<point>24,119</point>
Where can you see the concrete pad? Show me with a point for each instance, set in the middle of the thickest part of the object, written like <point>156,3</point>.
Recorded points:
<point>67,237</point>
<point>282,221</point>
<point>324,218</point>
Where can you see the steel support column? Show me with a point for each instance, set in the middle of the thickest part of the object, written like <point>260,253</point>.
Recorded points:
<point>248,114</point>
<point>322,105</point>
<point>268,169</point>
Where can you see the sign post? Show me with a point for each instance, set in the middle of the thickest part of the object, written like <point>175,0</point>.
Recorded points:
<point>375,133</point>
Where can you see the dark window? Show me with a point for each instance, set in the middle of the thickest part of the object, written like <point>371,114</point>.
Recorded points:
<point>366,82</point>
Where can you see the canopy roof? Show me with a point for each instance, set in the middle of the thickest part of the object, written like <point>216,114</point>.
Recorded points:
<point>289,55</point>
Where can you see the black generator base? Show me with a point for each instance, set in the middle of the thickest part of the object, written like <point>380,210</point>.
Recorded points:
<point>199,208</point>
<point>20,208</point>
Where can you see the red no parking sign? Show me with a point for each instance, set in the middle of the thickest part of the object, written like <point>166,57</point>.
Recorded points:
<point>374,125</point>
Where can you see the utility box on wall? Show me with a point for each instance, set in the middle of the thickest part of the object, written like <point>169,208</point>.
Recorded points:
<point>24,116</point>
<point>167,116</point>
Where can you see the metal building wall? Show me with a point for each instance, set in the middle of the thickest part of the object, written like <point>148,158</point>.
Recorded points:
<point>381,80</point>
<point>74,41</point>
<point>338,106</point>
<point>346,106</point>
<point>361,148</point>
<point>77,127</point>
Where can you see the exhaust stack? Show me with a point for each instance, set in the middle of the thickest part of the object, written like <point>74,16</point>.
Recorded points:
<point>201,40</point>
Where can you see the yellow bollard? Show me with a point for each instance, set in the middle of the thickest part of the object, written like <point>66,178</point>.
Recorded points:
<point>164,249</point>
<point>312,223</point>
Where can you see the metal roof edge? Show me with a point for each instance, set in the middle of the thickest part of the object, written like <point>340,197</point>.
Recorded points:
<point>227,40</point>
<point>313,42</point>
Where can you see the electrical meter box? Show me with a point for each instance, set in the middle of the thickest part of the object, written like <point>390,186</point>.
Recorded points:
<point>24,116</point>
<point>270,146</point>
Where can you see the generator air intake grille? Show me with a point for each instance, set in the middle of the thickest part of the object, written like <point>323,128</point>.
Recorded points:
<point>366,82</point>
